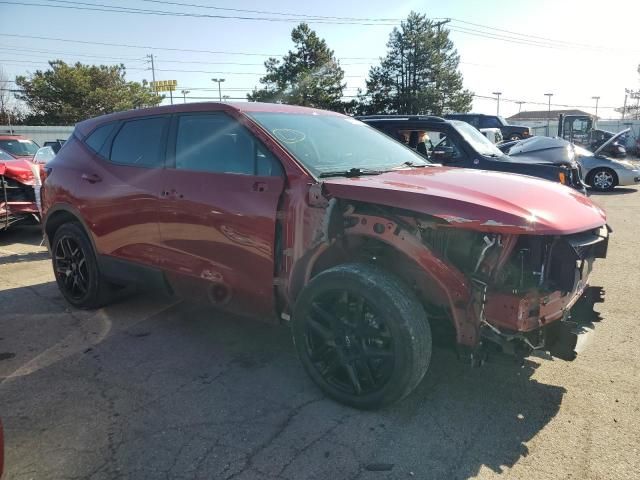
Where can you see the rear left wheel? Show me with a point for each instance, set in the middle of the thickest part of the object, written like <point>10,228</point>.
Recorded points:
<point>76,268</point>
<point>362,335</point>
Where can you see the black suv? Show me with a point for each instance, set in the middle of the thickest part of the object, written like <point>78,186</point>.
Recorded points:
<point>478,120</point>
<point>457,144</point>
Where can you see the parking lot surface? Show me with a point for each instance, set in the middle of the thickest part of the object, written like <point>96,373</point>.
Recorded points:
<point>152,387</point>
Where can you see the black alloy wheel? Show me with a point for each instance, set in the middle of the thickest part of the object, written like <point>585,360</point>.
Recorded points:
<point>71,267</point>
<point>362,335</point>
<point>349,343</point>
<point>76,268</point>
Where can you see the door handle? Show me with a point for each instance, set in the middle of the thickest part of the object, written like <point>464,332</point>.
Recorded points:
<point>91,177</point>
<point>259,187</point>
<point>172,194</point>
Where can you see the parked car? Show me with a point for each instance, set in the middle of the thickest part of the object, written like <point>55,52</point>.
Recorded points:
<point>599,171</point>
<point>56,145</point>
<point>616,148</point>
<point>604,173</point>
<point>457,144</point>
<point>312,217</point>
<point>480,121</point>
<point>17,193</point>
<point>18,146</point>
<point>493,134</point>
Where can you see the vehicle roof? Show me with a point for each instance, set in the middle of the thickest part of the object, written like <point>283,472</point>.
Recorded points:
<point>468,114</point>
<point>13,137</point>
<point>86,126</point>
<point>401,118</point>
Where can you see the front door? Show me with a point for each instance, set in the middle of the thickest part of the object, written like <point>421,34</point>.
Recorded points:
<point>218,220</point>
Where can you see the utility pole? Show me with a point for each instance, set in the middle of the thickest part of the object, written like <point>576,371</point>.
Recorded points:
<point>219,81</point>
<point>438,25</point>
<point>520,106</point>
<point>184,95</point>
<point>596,99</point>
<point>548,95</point>
<point>153,71</point>
<point>497,94</point>
<point>624,107</point>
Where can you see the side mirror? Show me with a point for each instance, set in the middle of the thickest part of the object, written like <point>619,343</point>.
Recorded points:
<point>43,155</point>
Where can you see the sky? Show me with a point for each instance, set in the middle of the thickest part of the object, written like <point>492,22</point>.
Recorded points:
<point>575,49</point>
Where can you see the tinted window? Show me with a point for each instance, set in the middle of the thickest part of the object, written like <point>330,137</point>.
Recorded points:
<point>96,139</point>
<point>490,122</point>
<point>218,143</point>
<point>139,143</point>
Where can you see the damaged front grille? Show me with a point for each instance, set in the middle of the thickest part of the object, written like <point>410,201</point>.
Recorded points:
<point>15,191</point>
<point>553,263</point>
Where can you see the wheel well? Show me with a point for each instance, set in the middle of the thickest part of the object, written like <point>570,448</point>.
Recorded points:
<point>610,170</point>
<point>56,220</point>
<point>373,251</point>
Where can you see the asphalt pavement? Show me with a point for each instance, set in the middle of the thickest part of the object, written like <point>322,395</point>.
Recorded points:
<point>152,387</point>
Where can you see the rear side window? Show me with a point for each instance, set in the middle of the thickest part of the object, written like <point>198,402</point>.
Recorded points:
<point>140,143</point>
<point>218,143</point>
<point>95,141</point>
<point>490,122</point>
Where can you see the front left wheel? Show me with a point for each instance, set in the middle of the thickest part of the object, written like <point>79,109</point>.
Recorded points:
<point>76,268</point>
<point>362,335</point>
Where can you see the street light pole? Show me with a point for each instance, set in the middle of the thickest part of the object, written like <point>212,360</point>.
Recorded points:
<point>219,81</point>
<point>548,95</point>
<point>497,94</point>
<point>519,106</point>
<point>184,94</point>
<point>596,99</point>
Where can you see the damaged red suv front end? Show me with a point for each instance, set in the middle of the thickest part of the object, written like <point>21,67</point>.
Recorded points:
<point>17,192</point>
<point>505,263</point>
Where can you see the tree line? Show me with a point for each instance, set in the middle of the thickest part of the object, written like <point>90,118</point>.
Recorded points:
<point>418,75</point>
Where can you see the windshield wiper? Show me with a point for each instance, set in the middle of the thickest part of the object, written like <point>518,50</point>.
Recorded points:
<point>412,164</point>
<point>352,172</point>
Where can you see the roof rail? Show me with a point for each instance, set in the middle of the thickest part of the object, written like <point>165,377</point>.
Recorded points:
<point>410,118</point>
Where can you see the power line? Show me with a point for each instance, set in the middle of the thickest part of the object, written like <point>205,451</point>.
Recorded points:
<point>96,7</point>
<point>263,12</point>
<point>149,47</point>
<point>55,52</point>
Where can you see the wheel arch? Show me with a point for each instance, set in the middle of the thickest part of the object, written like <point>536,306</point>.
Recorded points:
<point>60,214</point>
<point>401,252</point>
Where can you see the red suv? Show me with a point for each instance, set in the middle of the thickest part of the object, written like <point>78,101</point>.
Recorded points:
<point>308,216</point>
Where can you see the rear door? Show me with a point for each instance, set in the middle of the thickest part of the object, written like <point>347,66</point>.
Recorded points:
<point>119,192</point>
<point>218,220</point>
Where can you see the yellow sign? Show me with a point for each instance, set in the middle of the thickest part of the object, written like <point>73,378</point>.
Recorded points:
<point>164,85</point>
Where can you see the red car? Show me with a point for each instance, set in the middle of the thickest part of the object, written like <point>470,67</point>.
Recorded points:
<point>308,216</point>
<point>17,193</point>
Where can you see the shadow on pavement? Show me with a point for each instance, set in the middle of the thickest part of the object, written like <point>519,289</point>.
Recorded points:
<point>615,191</point>
<point>191,393</point>
<point>25,234</point>
<point>24,257</point>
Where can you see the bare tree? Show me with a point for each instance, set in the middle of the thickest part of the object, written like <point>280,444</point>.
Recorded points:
<point>5,99</point>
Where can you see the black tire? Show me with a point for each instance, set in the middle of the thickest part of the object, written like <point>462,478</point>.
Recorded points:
<point>77,274</point>
<point>514,136</point>
<point>359,321</point>
<point>602,179</point>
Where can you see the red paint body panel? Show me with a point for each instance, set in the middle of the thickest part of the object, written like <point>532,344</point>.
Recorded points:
<point>477,200</point>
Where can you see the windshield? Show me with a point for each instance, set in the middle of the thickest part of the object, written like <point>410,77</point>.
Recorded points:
<point>332,143</point>
<point>478,141</point>
<point>19,147</point>
<point>5,156</point>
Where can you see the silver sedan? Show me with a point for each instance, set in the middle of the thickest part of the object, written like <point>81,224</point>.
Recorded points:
<point>604,173</point>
